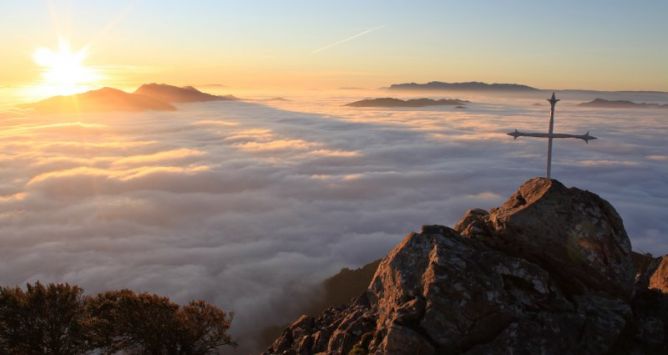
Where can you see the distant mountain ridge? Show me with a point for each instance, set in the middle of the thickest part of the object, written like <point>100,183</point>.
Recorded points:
<point>393,102</point>
<point>175,94</point>
<point>148,97</point>
<point>463,86</point>
<point>508,87</point>
<point>603,103</point>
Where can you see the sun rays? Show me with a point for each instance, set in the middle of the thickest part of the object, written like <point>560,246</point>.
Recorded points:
<point>63,71</point>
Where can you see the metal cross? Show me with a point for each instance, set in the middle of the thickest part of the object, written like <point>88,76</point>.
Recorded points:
<point>550,135</point>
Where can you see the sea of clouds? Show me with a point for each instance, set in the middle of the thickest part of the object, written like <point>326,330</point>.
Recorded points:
<point>248,205</point>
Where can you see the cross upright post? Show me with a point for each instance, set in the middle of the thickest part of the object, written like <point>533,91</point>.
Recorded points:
<point>550,135</point>
<point>553,102</point>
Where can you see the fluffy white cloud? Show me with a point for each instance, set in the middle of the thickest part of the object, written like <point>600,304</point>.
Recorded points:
<point>247,205</point>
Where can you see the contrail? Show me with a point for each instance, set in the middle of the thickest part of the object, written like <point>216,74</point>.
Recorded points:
<point>347,39</point>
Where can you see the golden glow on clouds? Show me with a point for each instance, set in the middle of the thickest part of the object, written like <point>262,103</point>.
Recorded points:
<point>60,127</point>
<point>658,157</point>
<point>277,144</point>
<point>160,156</point>
<point>260,140</point>
<point>120,175</point>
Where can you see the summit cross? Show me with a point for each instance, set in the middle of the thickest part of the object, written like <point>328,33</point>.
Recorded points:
<point>551,135</point>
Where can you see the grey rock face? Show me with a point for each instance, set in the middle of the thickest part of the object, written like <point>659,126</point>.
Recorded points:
<point>549,272</point>
<point>573,233</point>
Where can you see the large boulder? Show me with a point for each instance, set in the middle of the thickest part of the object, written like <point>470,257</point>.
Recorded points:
<point>459,296</point>
<point>575,234</point>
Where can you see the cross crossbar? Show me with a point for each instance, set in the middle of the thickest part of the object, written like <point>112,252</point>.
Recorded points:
<point>550,135</point>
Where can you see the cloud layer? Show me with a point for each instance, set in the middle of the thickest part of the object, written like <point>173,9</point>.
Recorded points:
<point>247,205</point>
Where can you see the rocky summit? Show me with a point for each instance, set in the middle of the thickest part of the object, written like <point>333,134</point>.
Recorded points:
<point>551,271</point>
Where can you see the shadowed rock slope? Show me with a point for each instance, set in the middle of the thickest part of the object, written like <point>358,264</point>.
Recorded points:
<point>551,271</point>
<point>334,291</point>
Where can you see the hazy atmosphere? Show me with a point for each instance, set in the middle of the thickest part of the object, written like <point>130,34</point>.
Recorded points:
<point>247,205</point>
<point>249,202</point>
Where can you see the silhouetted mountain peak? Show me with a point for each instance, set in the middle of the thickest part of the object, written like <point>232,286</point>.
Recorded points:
<point>101,100</point>
<point>148,97</point>
<point>175,94</point>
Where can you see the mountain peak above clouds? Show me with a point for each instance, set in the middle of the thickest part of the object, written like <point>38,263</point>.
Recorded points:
<point>100,100</point>
<point>550,271</point>
<point>148,97</point>
<point>176,94</point>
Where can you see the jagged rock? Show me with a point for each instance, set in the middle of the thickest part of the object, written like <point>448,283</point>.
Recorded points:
<point>644,265</point>
<point>549,272</point>
<point>473,224</point>
<point>475,295</point>
<point>659,278</point>
<point>336,331</point>
<point>649,333</point>
<point>574,234</point>
<point>402,340</point>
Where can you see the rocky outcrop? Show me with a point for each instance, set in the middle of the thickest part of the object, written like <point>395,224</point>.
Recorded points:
<point>551,271</point>
<point>334,291</point>
<point>659,274</point>
<point>574,234</point>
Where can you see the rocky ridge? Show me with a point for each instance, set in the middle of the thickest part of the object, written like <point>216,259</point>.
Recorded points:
<point>550,271</point>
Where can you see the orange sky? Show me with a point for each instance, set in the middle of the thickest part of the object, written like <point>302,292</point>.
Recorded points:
<point>297,44</point>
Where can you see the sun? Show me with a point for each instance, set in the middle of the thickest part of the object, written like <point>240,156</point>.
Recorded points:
<point>63,70</point>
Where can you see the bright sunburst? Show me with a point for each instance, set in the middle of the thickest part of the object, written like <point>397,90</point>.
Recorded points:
<point>64,72</point>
